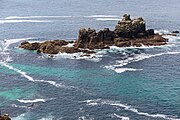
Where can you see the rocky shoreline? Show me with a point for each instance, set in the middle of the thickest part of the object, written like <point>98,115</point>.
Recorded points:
<point>128,32</point>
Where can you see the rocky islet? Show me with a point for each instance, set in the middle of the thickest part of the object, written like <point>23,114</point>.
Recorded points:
<point>128,32</point>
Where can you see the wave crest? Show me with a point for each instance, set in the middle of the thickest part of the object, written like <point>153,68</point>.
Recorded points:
<point>129,108</point>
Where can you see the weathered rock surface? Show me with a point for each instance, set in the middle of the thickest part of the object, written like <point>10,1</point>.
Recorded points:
<point>128,32</point>
<point>52,47</point>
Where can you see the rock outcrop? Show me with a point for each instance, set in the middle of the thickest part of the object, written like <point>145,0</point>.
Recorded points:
<point>52,47</point>
<point>128,32</point>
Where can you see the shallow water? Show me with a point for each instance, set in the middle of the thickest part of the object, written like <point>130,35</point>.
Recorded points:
<point>121,83</point>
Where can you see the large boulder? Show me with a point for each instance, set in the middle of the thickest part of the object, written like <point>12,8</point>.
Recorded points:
<point>30,46</point>
<point>92,40</point>
<point>128,28</point>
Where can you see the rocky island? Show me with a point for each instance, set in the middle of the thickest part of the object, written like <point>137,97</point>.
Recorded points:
<point>128,32</point>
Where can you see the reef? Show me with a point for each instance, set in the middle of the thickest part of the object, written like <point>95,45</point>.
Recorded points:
<point>128,32</point>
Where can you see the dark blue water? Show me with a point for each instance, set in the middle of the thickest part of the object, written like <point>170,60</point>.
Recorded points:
<point>120,83</point>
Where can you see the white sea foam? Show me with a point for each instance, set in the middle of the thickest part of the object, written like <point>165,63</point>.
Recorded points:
<point>31,101</point>
<point>6,58</point>
<point>80,56</point>
<point>23,21</point>
<point>18,106</point>
<point>121,70</point>
<point>49,118</point>
<point>129,108</point>
<point>135,58</point>
<point>102,16</point>
<point>121,117</point>
<point>8,42</point>
<point>23,74</point>
<point>25,116</point>
<point>107,19</point>
<point>31,17</point>
<point>4,48</point>
<point>161,32</point>
<point>172,39</point>
<point>20,117</point>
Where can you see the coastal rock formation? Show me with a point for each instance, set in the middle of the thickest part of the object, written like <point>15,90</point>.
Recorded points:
<point>92,40</point>
<point>52,47</point>
<point>128,28</point>
<point>128,32</point>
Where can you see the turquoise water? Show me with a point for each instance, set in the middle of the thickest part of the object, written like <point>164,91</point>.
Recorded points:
<point>120,83</point>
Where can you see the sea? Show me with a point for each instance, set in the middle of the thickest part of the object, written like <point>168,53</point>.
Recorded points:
<point>128,83</point>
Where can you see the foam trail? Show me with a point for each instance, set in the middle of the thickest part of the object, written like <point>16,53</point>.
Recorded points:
<point>107,19</point>
<point>17,106</point>
<point>28,17</point>
<point>33,101</point>
<point>121,70</point>
<point>102,16</point>
<point>121,117</point>
<point>31,78</point>
<point>129,108</point>
<point>136,58</point>
<point>8,42</point>
<point>20,117</point>
<point>79,56</point>
<point>23,21</point>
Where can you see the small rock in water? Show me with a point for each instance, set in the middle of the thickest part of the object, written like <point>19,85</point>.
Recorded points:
<point>175,31</point>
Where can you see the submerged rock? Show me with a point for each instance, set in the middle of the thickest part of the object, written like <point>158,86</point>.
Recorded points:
<point>128,32</point>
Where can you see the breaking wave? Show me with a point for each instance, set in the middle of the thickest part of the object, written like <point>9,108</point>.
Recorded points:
<point>18,106</point>
<point>97,102</point>
<point>31,17</point>
<point>80,56</point>
<point>102,16</point>
<point>121,70</point>
<point>23,21</point>
<point>24,74</point>
<point>33,101</point>
<point>121,117</point>
<point>107,19</point>
<point>138,57</point>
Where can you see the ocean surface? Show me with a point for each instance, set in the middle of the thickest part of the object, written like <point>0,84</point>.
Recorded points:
<point>134,83</point>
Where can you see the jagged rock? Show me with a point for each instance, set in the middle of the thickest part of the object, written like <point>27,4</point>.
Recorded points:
<point>92,40</point>
<point>128,28</point>
<point>29,46</point>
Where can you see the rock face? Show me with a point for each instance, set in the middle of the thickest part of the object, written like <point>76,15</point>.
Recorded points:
<point>128,32</point>
<point>92,40</point>
<point>128,28</point>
